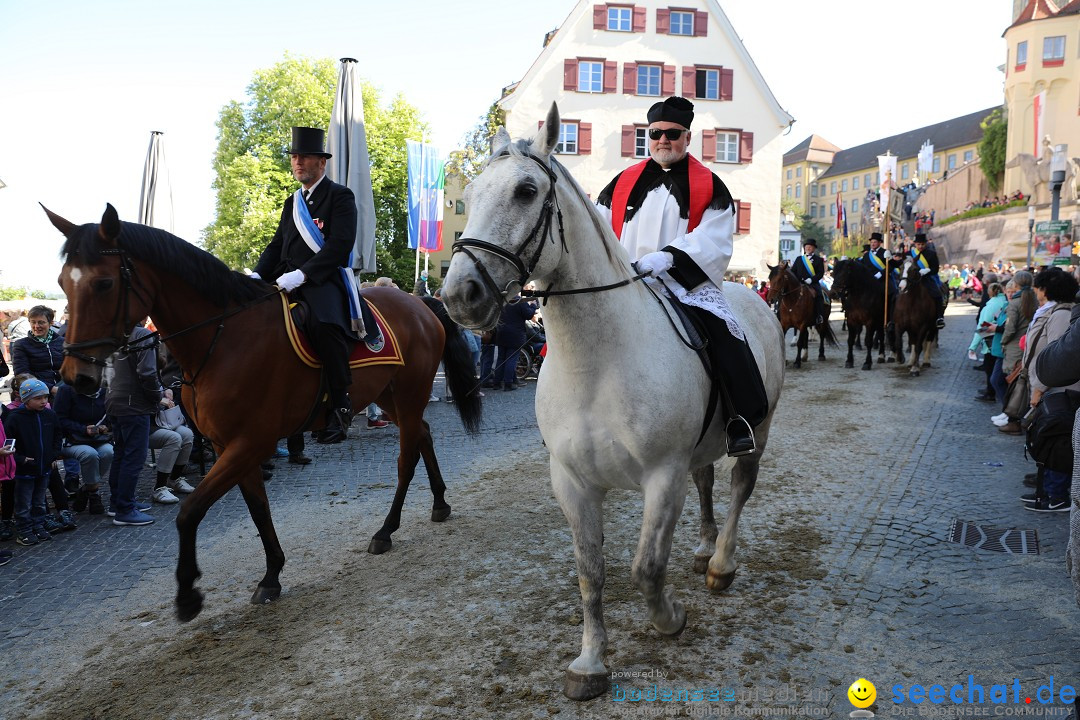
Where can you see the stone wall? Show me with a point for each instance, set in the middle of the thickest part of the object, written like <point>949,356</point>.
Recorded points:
<point>989,237</point>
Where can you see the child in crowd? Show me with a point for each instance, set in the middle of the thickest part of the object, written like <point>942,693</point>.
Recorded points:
<point>7,479</point>
<point>37,434</point>
<point>7,489</point>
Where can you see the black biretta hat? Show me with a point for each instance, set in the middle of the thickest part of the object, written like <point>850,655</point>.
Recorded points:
<point>674,109</point>
<point>308,141</point>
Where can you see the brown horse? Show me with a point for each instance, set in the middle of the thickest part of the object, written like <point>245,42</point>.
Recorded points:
<point>796,310</point>
<point>227,332</point>
<point>916,314</point>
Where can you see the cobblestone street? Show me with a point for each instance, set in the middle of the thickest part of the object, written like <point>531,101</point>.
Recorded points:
<point>845,568</point>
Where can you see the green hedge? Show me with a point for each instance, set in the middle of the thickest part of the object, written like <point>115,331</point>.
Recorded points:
<point>977,211</point>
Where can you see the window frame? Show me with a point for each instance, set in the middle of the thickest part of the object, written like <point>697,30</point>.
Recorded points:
<point>459,207</point>
<point>1021,57</point>
<point>709,72</point>
<point>564,127</point>
<point>641,141</point>
<point>1056,59</point>
<point>616,11</point>
<point>727,134</point>
<point>598,79</point>
<point>659,70</point>
<point>671,23</point>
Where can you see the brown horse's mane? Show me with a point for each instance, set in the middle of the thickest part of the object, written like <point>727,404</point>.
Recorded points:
<point>210,277</point>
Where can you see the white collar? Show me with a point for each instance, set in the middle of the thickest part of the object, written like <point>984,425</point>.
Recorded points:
<point>311,190</point>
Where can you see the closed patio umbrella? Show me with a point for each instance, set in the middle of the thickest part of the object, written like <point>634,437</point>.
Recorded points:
<point>350,165</point>
<point>155,201</point>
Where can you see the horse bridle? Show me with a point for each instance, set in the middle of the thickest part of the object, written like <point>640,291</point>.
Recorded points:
<point>121,318</point>
<point>540,231</point>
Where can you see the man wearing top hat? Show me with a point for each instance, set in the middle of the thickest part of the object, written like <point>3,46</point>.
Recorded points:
<point>927,260</point>
<point>810,268</point>
<point>677,219</point>
<point>876,260</point>
<point>306,256</point>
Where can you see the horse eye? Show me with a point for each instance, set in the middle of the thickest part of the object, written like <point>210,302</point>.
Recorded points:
<point>525,191</point>
<point>102,284</point>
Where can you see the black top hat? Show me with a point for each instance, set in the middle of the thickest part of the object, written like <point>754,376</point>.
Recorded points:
<point>308,141</point>
<point>809,241</point>
<point>876,236</point>
<point>920,237</point>
<point>866,248</point>
<point>674,109</point>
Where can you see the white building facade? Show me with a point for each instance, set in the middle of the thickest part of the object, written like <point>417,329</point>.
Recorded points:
<point>608,63</point>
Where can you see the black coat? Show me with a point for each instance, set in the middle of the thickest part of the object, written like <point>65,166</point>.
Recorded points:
<point>30,355</point>
<point>37,435</point>
<point>324,289</point>
<point>816,262</point>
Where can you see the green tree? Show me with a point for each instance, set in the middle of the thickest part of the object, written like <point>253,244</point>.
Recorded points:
<point>252,173</point>
<point>810,229</point>
<point>791,206</point>
<point>12,293</point>
<point>992,148</point>
<point>469,161</point>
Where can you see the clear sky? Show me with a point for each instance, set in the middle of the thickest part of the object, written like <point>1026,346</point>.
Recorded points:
<point>82,84</point>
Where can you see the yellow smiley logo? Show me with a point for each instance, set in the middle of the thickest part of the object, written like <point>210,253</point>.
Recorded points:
<point>862,693</point>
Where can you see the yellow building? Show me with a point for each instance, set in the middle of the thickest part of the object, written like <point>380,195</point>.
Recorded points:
<point>1042,56</point>
<point>852,175</point>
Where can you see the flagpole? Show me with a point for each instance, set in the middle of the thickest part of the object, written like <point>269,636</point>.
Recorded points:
<point>420,211</point>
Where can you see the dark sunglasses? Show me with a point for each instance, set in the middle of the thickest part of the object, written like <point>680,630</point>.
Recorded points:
<point>669,133</point>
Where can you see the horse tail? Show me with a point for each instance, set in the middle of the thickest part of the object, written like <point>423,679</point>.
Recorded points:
<point>460,369</point>
<point>825,330</point>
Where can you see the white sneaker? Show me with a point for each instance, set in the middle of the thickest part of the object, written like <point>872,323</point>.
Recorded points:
<point>163,496</point>
<point>181,485</point>
<point>999,417</point>
<point>1002,423</point>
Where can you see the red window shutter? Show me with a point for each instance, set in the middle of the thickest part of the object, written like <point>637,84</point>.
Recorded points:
<point>668,80</point>
<point>569,75</point>
<point>629,78</point>
<point>727,76</point>
<point>689,81</point>
<point>701,24</point>
<point>663,22</point>
<point>743,218</point>
<point>708,145</point>
<point>611,79</point>
<point>639,19</point>
<point>628,132</point>
<point>599,17</point>
<point>746,147</point>
<point>584,138</point>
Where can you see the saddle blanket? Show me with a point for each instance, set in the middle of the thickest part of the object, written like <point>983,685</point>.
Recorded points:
<point>385,351</point>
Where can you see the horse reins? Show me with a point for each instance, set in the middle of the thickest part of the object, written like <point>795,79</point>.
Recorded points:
<point>540,231</point>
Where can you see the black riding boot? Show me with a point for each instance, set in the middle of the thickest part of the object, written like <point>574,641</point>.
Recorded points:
<point>740,437</point>
<point>338,420</point>
<point>940,312</point>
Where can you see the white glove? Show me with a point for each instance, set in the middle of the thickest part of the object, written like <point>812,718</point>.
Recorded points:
<point>291,280</point>
<point>255,276</point>
<point>877,276</point>
<point>809,281</point>
<point>924,271</point>
<point>657,262</point>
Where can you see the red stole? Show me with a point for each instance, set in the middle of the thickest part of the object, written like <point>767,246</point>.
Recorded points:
<point>701,186</point>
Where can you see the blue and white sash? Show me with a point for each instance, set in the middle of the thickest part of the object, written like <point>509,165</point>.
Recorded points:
<point>877,262</point>
<point>808,266</point>
<point>313,238</point>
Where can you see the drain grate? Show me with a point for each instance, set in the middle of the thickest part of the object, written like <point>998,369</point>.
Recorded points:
<point>1006,540</point>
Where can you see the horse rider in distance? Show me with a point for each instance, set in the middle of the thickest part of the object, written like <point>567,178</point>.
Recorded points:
<point>810,268</point>
<point>676,219</point>
<point>927,260</point>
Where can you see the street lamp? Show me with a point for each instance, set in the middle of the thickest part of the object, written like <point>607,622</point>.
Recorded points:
<point>1031,231</point>
<point>1057,178</point>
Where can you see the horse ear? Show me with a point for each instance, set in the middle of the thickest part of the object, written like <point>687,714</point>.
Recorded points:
<point>65,227</point>
<point>109,229</point>
<point>500,141</point>
<point>549,132</point>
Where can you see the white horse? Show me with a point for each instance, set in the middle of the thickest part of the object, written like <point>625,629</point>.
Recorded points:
<point>621,400</point>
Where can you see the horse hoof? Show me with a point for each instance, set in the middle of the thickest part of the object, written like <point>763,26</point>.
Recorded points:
<point>701,565</point>
<point>914,373</point>
<point>849,364</point>
<point>926,364</point>
<point>264,595</point>
<point>680,614</point>
<point>718,582</point>
<point>378,547</point>
<point>585,687</point>
<point>891,360</point>
<point>440,514</point>
<point>866,366</point>
<point>188,605</point>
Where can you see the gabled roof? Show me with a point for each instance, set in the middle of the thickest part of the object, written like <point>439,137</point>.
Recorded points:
<point>1034,10</point>
<point>582,12</point>
<point>814,148</point>
<point>1073,8</point>
<point>943,136</point>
